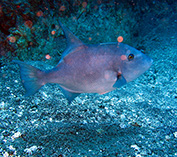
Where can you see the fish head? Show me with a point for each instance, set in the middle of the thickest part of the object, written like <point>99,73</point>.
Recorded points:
<point>133,63</point>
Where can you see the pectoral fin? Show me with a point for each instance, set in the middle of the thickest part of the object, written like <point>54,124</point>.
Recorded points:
<point>120,81</point>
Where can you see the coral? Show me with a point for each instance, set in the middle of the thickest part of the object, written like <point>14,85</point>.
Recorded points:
<point>37,25</point>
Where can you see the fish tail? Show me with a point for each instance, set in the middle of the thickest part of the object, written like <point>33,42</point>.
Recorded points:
<point>32,78</point>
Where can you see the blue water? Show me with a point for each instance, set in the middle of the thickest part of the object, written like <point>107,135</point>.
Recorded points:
<point>138,119</point>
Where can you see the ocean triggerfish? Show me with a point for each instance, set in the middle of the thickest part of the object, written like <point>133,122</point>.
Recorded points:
<point>84,68</point>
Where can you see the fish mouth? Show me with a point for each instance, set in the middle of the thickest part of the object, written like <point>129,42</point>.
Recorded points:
<point>148,63</point>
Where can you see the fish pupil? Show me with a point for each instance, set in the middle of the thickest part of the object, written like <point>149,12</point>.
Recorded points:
<point>130,57</point>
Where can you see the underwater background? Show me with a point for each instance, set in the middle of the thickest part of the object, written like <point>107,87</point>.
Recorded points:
<point>138,119</point>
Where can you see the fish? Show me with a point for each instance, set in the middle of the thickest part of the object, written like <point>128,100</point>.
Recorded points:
<point>87,68</point>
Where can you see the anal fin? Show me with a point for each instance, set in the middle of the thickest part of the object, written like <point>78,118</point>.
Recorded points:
<point>69,95</point>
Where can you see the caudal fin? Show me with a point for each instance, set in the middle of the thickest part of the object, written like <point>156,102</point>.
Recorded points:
<point>31,77</point>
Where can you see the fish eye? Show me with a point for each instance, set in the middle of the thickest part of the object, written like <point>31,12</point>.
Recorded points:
<point>130,57</point>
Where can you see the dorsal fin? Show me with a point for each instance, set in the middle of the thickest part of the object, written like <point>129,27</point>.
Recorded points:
<point>72,40</point>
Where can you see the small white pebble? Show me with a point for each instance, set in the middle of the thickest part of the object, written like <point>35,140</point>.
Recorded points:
<point>112,113</point>
<point>79,100</point>
<point>167,137</point>
<point>4,140</point>
<point>11,148</point>
<point>5,154</point>
<point>36,101</point>
<point>33,121</point>
<point>16,81</point>
<point>44,94</point>
<point>106,108</point>
<point>2,104</point>
<point>20,114</point>
<point>16,135</point>
<point>136,148</point>
<point>175,134</point>
<point>122,116</point>
<point>122,125</point>
<point>84,122</point>
<point>50,119</point>
<point>106,98</point>
<point>31,149</point>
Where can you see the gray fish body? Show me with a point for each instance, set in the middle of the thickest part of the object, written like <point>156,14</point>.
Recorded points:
<point>98,68</point>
